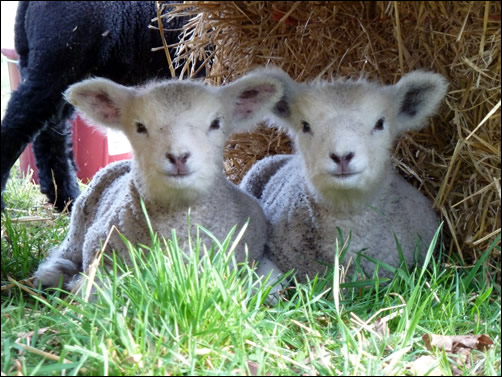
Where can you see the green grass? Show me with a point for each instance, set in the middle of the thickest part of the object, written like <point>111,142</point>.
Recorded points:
<point>173,313</point>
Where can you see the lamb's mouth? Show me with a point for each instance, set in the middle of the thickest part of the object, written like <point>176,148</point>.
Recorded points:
<point>179,175</point>
<point>345,175</point>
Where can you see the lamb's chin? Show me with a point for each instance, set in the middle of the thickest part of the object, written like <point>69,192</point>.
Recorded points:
<point>179,181</point>
<point>333,183</point>
<point>347,194</point>
<point>345,181</point>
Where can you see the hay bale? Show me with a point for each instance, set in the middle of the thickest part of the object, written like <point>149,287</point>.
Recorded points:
<point>455,161</point>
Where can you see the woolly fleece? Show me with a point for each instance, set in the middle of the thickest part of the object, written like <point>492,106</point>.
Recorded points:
<point>303,232</point>
<point>112,199</point>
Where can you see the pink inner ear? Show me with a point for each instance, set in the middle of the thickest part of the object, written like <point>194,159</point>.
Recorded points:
<point>251,100</point>
<point>103,106</point>
<point>261,89</point>
<point>249,94</point>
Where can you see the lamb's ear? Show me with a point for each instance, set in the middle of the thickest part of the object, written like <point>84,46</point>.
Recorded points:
<point>100,100</point>
<point>283,113</point>
<point>417,95</point>
<point>250,99</point>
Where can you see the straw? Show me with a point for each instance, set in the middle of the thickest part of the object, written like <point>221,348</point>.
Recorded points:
<point>455,161</point>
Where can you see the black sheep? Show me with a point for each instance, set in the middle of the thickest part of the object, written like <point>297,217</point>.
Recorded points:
<point>63,42</point>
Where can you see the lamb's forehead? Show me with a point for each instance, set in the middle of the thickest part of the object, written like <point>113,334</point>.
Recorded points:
<point>359,97</point>
<point>177,97</point>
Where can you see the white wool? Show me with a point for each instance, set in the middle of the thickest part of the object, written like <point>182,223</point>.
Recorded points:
<point>113,199</point>
<point>177,130</point>
<point>341,175</point>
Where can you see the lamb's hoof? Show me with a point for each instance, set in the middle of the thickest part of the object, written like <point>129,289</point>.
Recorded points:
<point>49,274</point>
<point>273,298</point>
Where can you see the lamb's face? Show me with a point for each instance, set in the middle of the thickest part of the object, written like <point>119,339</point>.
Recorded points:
<point>177,128</point>
<point>177,131</point>
<point>344,135</point>
<point>344,130</point>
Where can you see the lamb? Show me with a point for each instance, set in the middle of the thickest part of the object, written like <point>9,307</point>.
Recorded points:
<point>177,130</point>
<point>341,176</point>
<point>61,43</point>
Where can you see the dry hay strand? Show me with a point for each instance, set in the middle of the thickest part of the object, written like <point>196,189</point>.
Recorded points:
<point>455,161</point>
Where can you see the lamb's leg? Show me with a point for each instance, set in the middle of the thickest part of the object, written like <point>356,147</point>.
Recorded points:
<point>53,150</point>
<point>51,271</point>
<point>266,267</point>
<point>65,261</point>
<point>257,177</point>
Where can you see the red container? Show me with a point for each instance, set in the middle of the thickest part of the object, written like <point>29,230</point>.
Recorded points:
<point>92,149</point>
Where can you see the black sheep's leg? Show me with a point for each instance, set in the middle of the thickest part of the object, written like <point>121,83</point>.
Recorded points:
<point>29,108</point>
<point>53,148</point>
<point>19,126</point>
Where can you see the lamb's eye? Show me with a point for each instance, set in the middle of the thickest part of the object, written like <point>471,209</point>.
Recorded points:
<point>306,127</point>
<point>140,128</point>
<point>215,125</point>
<point>379,124</point>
